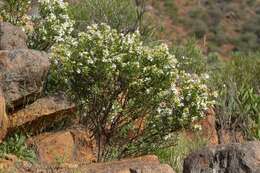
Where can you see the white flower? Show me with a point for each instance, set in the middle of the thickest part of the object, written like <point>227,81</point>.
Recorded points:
<point>78,71</point>
<point>197,127</point>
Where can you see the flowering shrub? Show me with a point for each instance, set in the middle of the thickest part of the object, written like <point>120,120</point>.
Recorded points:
<point>52,24</point>
<point>15,11</point>
<point>131,96</point>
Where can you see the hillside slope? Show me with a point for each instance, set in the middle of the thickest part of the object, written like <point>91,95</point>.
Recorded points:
<point>220,25</point>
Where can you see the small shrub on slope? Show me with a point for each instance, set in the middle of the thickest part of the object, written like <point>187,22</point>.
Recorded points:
<point>52,25</point>
<point>130,95</point>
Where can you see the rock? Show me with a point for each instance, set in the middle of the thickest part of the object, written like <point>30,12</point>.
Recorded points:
<point>145,164</point>
<point>3,117</point>
<point>22,74</point>
<point>10,163</point>
<point>12,37</point>
<point>7,162</point>
<point>54,147</point>
<point>86,146</point>
<point>65,147</point>
<point>231,158</point>
<point>41,113</point>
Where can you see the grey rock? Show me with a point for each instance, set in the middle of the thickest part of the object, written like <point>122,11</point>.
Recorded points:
<point>231,158</point>
<point>22,75</point>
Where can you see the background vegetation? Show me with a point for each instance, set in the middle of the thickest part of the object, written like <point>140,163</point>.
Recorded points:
<point>221,26</point>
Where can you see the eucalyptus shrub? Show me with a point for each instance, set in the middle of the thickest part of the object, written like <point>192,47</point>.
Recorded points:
<point>130,95</point>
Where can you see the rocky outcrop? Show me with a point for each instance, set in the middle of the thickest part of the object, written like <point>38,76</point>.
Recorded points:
<point>41,113</point>
<point>232,158</point>
<point>70,146</point>
<point>22,74</point>
<point>145,164</point>
<point>11,37</point>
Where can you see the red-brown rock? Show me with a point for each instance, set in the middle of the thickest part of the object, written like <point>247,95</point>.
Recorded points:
<point>41,113</point>
<point>145,164</point>
<point>71,146</point>
<point>12,37</point>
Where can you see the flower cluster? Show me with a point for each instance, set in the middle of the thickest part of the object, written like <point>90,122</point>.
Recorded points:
<point>15,12</point>
<point>117,79</point>
<point>51,25</point>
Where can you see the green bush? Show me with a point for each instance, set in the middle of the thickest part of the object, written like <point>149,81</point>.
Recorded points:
<point>238,107</point>
<point>123,15</point>
<point>190,57</point>
<point>119,14</point>
<point>16,145</point>
<point>52,25</point>
<point>131,96</point>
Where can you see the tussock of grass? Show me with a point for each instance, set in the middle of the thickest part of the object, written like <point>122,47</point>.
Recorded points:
<point>16,145</point>
<point>175,155</point>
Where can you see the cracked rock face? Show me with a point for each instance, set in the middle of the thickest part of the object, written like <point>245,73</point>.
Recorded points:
<point>11,37</point>
<point>22,74</point>
<point>232,158</point>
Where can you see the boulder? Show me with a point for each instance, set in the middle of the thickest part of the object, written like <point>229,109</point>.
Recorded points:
<point>3,117</point>
<point>11,37</point>
<point>70,146</point>
<point>231,158</point>
<point>41,113</point>
<point>22,74</point>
